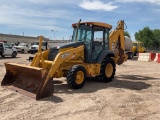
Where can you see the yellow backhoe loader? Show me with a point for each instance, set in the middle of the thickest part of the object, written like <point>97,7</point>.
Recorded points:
<point>92,53</point>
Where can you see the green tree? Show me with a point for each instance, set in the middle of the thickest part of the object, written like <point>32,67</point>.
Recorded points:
<point>126,33</point>
<point>146,36</point>
<point>156,38</point>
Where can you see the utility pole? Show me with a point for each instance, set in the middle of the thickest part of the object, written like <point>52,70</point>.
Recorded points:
<point>54,33</point>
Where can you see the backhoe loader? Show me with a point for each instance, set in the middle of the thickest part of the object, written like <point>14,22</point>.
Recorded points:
<point>93,52</point>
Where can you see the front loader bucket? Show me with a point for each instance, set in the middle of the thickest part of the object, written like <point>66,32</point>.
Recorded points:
<point>27,80</point>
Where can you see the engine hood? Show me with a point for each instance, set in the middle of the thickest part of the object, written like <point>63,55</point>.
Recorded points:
<point>67,45</point>
<point>54,49</point>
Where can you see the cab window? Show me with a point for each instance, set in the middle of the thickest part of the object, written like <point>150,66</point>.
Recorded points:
<point>6,45</point>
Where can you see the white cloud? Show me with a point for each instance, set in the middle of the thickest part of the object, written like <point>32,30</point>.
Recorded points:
<point>26,15</point>
<point>149,1</point>
<point>97,5</point>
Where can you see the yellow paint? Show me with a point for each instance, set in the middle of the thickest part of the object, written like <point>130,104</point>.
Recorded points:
<point>137,47</point>
<point>117,42</point>
<point>96,24</point>
<point>79,77</point>
<point>109,70</point>
<point>68,57</point>
<point>40,44</point>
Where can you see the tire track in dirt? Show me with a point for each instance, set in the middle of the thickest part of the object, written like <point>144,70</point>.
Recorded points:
<point>22,108</point>
<point>134,105</point>
<point>7,97</point>
<point>67,109</point>
<point>69,113</point>
<point>34,111</point>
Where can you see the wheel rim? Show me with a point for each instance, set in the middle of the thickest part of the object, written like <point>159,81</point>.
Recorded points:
<point>79,77</point>
<point>109,70</point>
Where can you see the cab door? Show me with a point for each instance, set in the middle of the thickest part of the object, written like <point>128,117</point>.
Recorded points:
<point>98,42</point>
<point>7,50</point>
<point>1,49</point>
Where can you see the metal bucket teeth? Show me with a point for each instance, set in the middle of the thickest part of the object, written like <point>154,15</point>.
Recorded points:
<point>27,80</point>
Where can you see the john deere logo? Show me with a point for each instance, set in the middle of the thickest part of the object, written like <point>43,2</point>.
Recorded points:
<point>65,55</point>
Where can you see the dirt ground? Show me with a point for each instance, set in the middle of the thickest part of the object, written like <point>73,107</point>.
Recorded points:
<point>134,94</point>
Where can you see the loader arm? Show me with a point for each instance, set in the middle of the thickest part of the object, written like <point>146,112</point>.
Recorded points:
<point>62,57</point>
<point>117,43</point>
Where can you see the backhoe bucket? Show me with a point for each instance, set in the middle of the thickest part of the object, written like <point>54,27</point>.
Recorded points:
<point>28,80</point>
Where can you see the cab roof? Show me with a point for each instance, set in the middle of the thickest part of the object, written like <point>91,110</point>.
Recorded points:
<point>95,23</point>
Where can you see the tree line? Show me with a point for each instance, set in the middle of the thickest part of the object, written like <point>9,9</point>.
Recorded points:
<point>149,38</point>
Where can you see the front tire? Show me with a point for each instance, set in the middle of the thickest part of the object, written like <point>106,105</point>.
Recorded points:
<point>14,54</point>
<point>130,56</point>
<point>76,77</point>
<point>3,56</point>
<point>107,71</point>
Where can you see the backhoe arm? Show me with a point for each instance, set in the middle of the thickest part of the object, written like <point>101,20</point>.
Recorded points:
<point>117,43</point>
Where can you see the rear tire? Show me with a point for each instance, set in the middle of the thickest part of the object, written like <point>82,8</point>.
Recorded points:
<point>107,71</point>
<point>130,56</point>
<point>14,54</point>
<point>22,51</point>
<point>76,77</point>
<point>3,56</point>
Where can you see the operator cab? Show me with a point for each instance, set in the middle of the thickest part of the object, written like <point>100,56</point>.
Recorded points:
<point>95,36</point>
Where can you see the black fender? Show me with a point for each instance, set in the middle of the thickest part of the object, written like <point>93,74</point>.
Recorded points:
<point>104,54</point>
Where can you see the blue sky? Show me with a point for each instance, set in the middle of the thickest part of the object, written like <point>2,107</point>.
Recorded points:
<point>39,17</point>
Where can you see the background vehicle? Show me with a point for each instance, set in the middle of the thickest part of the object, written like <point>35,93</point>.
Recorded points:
<point>138,48</point>
<point>6,50</point>
<point>132,48</point>
<point>23,47</point>
<point>90,54</point>
<point>12,44</point>
<point>34,47</point>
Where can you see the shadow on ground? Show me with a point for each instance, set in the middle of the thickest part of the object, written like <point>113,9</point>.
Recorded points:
<point>8,57</point>
<point>136,77</point>
<point>135,58</point>
<point>131,82</point>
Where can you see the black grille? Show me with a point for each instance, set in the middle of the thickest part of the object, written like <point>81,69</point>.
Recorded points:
<point>52,54</point>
